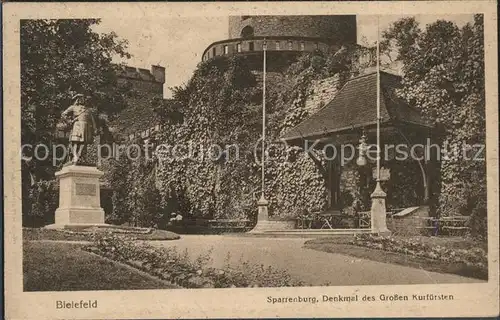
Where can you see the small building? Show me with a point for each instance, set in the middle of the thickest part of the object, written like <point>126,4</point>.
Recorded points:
<point>352,116</point>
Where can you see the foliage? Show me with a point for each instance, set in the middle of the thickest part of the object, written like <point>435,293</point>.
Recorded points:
<point>136,200</point>
<point>58,59</point>
<point>179,269</point>
<point>219,109</point>
<point>221,105</point>
<point>45,200</point>
<point>444,77</point>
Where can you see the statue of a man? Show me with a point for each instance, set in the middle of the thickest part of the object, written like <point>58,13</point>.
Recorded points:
<point>83,127</point>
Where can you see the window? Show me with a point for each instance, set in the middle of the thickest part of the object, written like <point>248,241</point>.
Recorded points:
<point>226,50</point>
<point>250,46</point>
<point>302,46</point>
<point>131,136</point>
<point>213,52</point>
<point>277,45</point>
<point>317,46</point>
<point>244,17</point>
<point>157,127</point>
<point>247,32</point>
<point>290,46</point>
<point>238,47</point>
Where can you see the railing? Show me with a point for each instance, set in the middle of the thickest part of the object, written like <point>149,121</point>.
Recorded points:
<point>256,44</point>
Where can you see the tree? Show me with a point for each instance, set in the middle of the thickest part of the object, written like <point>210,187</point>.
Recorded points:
<point>59,58</point>
<point>444,78</point>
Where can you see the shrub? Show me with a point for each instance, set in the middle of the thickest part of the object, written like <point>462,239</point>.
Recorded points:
<point>45,200</point>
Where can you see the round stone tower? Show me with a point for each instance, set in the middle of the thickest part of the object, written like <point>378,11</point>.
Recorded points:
<point>332,28</point>
<point>285,37</point>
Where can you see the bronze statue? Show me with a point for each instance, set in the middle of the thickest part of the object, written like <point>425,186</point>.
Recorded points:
<point>83,129</point>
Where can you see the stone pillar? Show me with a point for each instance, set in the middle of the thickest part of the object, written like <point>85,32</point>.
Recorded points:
<point>79,197</point>
<point>263,212</point>
<point>262,216</point>
<point>378,212</point>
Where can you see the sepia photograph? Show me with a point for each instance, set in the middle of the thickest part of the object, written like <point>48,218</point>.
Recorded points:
<point>252,153</point>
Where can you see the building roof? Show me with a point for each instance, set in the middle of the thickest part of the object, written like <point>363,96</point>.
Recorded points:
<point>355,106</point>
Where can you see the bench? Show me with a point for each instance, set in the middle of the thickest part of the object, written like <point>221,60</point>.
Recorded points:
<point>455,231</point>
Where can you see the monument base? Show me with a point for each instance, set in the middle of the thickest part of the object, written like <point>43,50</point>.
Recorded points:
<point>262,217</point>
<point>78,217</point>
<point>79,197</point>
<point>378,212</point>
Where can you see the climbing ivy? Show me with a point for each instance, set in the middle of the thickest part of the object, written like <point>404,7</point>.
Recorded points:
<point>222,105</point>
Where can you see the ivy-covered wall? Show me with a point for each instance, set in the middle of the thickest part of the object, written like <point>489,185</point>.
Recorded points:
<point>222,105</point>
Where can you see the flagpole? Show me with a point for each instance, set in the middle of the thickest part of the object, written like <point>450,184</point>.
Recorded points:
<point>263,119</point>
<point>378,210</point>
<point>378,100</point>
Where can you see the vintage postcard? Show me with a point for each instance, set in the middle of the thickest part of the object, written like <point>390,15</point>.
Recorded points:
<point>250,160</point>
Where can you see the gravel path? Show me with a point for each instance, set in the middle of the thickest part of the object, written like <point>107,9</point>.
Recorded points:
<point>311,266</point>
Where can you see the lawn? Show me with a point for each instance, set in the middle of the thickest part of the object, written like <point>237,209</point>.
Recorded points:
<point>342,245</point>
<point>51,266</point>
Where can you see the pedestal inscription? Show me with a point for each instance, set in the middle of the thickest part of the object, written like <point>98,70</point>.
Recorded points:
<point>85,189</point>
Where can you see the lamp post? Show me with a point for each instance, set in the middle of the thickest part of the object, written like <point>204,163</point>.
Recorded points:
<point>263,214</point>
<point>264,48</point>
<point>378,208</point>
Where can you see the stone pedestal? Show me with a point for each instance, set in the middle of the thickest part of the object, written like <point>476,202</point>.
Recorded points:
<point>79,197</point>
<point>378,212</point>
<point>263,216</point>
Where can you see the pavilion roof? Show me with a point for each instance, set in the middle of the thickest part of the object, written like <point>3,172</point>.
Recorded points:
<point>355,106</point>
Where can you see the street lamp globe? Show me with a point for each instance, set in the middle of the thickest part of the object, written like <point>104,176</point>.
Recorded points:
<point>361,161</point>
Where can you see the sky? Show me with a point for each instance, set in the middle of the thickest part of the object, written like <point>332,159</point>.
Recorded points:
<point>178,43</point>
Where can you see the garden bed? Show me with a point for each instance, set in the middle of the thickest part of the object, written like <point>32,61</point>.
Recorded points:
<point>179,269</point>
<point>88,233</point>
<point>461,256</point>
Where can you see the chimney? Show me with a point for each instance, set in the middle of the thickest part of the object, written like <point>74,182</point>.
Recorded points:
<point>158,73</point>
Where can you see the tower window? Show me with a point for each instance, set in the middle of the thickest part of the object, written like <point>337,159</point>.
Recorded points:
<point>247,32</point>
<point>250,46</point>
<point>302,46</point>
<point>277,45</point>
<point>290,46</point>
<point>213,52</point>
<point>238,47</point>
<point>226,50</point>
